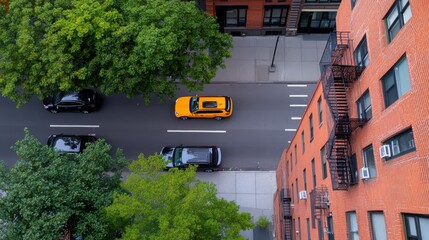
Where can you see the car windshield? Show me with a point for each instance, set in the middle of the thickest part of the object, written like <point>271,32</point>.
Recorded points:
<point>178,156</point>
<point>194,104</point>
<point>68,144</point>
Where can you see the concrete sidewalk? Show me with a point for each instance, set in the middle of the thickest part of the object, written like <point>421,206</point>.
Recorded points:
<point>296,59</point>
<point>251,190</point>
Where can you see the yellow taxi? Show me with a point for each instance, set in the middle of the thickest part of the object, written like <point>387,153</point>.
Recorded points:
<point>216,107</point>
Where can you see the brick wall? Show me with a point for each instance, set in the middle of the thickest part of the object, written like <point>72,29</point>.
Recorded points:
<point>401,184</point>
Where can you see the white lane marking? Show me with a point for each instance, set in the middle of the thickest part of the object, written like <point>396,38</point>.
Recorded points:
<point>297,85</point>
<point>297,105</point>
<point>290,130</point>
<point>196,131</point>
<point>295,118</point>
<point>74,126</point>
<point>298,95</point>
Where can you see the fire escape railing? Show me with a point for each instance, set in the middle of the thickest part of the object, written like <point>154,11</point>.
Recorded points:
<point>287,213</point>
<point>319,202</point>
<point>338,72</point>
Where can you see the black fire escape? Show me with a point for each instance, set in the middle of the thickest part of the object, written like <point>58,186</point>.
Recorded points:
<point>338,73</point>
<point>319,203</point>
<point>287,214</point>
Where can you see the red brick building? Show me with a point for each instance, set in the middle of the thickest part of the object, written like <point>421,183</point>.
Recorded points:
<point>363,171</point>
<point>272,17</point>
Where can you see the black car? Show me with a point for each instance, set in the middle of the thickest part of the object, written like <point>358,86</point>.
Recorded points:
<point>208,158</point>
<point>70,143</point>
<point>86,100</point>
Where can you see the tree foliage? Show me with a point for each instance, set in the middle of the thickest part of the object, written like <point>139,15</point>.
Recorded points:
<point>48,192</point>
<point>173,205</point>
<point>136,47</point>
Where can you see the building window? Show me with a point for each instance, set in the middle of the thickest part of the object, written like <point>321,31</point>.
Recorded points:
<point>323,158</point>
<point>378,226</point>
<point>275,16</point>
<point>317,22</point>
<point>302,141</point>
<point>313,172</point>
<point>396,82</point>
<point>310,119</point>
<point>352,226</point>
<point>354,3</point>
<point>236,17</point>
<point>361,53</point>
<point>320,229</point>
<point>319,110</point>
<point>416,226</point>
<point>364,106</point>
<point>304,176</point>
<point>296,188</point>
<point>292,195</point>
<point>368,161</point>
<point>396,18</point>
<point>291,162</point>
<point>353,170</point>
<point>296,155</point>
<point>308,229</point>
<point>401,144</point>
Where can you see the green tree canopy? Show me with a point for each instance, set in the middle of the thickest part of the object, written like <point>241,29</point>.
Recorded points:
<point>173,205</point>
<point>136,47</point>
<point>48,193</point>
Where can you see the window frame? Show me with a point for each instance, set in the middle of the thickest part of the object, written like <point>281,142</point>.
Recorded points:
<point>393,74</point>
<point>310,119</point>
<point>296,154</point>
<point>354,3</point>
<point>371,221</point>
<point>320,110</point>
<point>396,137</point>
<point>362,110</point>
<point>399,19</point>
<point>350,231</point>
<point>324,160</point>
<point>304,176</point>
<point>303,141</point>
<point>354,170</point>
<point>417,218</point>
<point>238,18</point>
<point>313,172</point>
<point>369,160</point>
<point>282,19</point>
<point>361,53</point>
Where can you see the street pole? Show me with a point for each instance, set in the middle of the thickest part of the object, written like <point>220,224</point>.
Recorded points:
<point>273,67</point>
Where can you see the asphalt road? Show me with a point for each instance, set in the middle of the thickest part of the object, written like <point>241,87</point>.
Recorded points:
<point>252,139</point>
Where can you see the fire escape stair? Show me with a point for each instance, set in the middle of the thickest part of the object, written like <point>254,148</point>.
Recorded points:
<point>338,74</point>
<point>287,214</point>
<point>293,17</point>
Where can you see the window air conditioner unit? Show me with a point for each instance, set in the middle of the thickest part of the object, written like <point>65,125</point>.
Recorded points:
<point>364,173</point>
<point>303,195</point>
<point>385,151</point>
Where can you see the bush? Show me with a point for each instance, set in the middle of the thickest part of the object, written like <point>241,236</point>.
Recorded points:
<point>263,221</point>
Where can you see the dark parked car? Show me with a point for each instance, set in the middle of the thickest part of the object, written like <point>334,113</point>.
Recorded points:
<point>70,143</point>
<point>208,158</point>
<point>86,100</point>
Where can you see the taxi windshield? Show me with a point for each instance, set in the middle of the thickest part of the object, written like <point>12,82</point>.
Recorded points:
<point>194,104</point>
